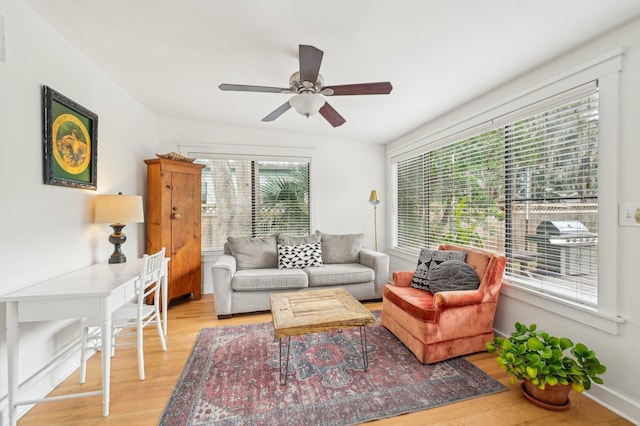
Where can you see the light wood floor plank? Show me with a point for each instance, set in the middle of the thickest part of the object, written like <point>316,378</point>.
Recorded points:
<point>135,402</point>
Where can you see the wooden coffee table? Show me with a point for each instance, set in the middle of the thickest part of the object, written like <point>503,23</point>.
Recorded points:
<point>315,311</point>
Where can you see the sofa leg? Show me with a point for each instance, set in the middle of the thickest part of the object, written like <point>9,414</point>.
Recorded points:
<point>226,316</point>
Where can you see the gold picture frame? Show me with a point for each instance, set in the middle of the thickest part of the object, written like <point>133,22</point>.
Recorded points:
<point>70,142</point>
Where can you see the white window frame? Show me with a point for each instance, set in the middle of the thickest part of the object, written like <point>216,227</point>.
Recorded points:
<point>605,70</point>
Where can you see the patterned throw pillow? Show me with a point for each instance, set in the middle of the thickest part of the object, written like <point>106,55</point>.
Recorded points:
<point>299,255</point>
<point>428,260</point>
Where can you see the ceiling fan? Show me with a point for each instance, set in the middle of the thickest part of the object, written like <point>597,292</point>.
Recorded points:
<point>308,86</point>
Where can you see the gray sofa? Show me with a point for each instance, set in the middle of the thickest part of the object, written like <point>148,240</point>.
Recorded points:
<point>252,268</point>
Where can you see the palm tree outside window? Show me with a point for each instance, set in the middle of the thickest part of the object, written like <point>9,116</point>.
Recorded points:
<point>251,198</point>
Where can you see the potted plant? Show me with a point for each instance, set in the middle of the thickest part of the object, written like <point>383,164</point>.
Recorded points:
<point>541,361</point>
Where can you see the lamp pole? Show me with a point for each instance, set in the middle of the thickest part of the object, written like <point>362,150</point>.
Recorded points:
<point>375,225</point>
<point>374,200</point>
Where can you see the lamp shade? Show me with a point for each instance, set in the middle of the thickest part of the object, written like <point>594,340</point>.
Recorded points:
<point>307,103</point>
<point>119,209</point>
<point>374,199</point>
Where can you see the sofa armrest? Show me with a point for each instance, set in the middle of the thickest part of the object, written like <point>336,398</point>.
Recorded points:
<point>452,299</point>
<point>379,262</point>
<point>222,273</point>
<point>402,278</point>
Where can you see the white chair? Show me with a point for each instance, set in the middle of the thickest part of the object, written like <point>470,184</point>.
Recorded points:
<point>130,316</point>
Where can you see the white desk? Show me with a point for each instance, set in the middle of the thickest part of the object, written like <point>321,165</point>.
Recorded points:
<point>92,292</point>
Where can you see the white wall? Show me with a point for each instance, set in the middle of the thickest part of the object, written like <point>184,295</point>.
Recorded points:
<point>617,352</point>
<point>48,230</point>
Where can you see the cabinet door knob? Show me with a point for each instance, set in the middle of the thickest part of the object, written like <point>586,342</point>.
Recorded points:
<point>175,215</point>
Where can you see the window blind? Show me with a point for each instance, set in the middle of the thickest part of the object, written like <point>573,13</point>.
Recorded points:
<point>528,188</point>
<point>412,201</point>
<point>552,199</point>
<point>281,198</point>
<point>453,194</point>
<point>250,198</point>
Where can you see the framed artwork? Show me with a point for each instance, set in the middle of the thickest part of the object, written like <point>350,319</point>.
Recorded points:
<point>70,142</point>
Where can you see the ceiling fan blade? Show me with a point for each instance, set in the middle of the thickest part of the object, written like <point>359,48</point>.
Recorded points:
<point>247,88</point>
<point>381,88</point>
<point>278,112</point>
<point>310,60</point>
<point>331,115</point>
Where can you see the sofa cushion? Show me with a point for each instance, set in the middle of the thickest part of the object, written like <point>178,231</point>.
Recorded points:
<point>416,302</point>
<point>299,255</point>
<point>453,275</point>
<point>253,253</point>
<point>341,248</point>
<point>269,279</point>
<point>339,274</point>
<point>428,260</point>
<point>289,240</point>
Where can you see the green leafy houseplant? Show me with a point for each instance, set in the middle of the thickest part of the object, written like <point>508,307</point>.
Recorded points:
<point>529,354</point>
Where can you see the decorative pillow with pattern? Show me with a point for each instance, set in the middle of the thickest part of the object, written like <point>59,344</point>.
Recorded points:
<point>428,260</point>
<point>299,255</point>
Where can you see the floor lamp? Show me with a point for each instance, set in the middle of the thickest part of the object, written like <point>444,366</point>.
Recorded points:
<point>374,200</point>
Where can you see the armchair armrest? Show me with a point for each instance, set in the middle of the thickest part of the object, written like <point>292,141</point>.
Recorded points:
<point>222,273</point>
<point>402,278</point>
<point>379,262</point>
<point>452,299</point>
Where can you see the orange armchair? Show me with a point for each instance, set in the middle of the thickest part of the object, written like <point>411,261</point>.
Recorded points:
<point>447,324</point>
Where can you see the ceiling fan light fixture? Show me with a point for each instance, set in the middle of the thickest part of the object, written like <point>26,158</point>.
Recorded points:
<point>307,103</point>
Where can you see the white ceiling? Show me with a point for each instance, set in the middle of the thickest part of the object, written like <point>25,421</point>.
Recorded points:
<point>172,55</point>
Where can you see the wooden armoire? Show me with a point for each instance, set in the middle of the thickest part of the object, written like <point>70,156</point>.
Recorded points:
<point>173,221</point>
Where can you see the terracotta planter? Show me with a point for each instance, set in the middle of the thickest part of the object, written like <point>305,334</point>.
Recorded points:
<point>551,397</point>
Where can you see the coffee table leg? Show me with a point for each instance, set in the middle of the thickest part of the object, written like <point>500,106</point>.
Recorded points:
<point>363,342</point>
<point>286,364</point>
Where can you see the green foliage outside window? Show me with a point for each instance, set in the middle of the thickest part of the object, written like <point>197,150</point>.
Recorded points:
<point>284,203</point>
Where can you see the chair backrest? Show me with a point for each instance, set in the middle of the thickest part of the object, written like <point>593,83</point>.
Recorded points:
<point>150,276</point>
<point>489,267</point>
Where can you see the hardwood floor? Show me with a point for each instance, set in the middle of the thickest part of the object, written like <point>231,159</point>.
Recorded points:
<point>135,402</point>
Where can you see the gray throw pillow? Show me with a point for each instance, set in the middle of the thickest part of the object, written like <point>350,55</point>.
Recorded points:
<point>254,253</point>
<point>453,275</point>
<point>341,248</point>
<point>288,240</point>
<point>428,260</point>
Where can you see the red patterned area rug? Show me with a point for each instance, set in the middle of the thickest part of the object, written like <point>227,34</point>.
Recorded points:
<point>231,378</point>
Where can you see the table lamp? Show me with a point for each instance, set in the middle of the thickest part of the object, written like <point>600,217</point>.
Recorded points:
<point>118,210</point>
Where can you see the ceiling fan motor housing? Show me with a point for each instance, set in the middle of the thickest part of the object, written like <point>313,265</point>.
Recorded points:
<point>305,86</point>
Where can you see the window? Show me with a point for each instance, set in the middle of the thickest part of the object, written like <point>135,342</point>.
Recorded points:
<point>252,198</point>
<point>526,186</point>
<point>453,194</point>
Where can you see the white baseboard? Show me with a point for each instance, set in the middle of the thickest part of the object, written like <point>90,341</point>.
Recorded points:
<point>619,404</point>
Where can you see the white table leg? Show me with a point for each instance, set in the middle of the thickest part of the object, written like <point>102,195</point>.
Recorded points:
<point>165,294</point>
<point>13,337</point>
<point>106,361</point>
